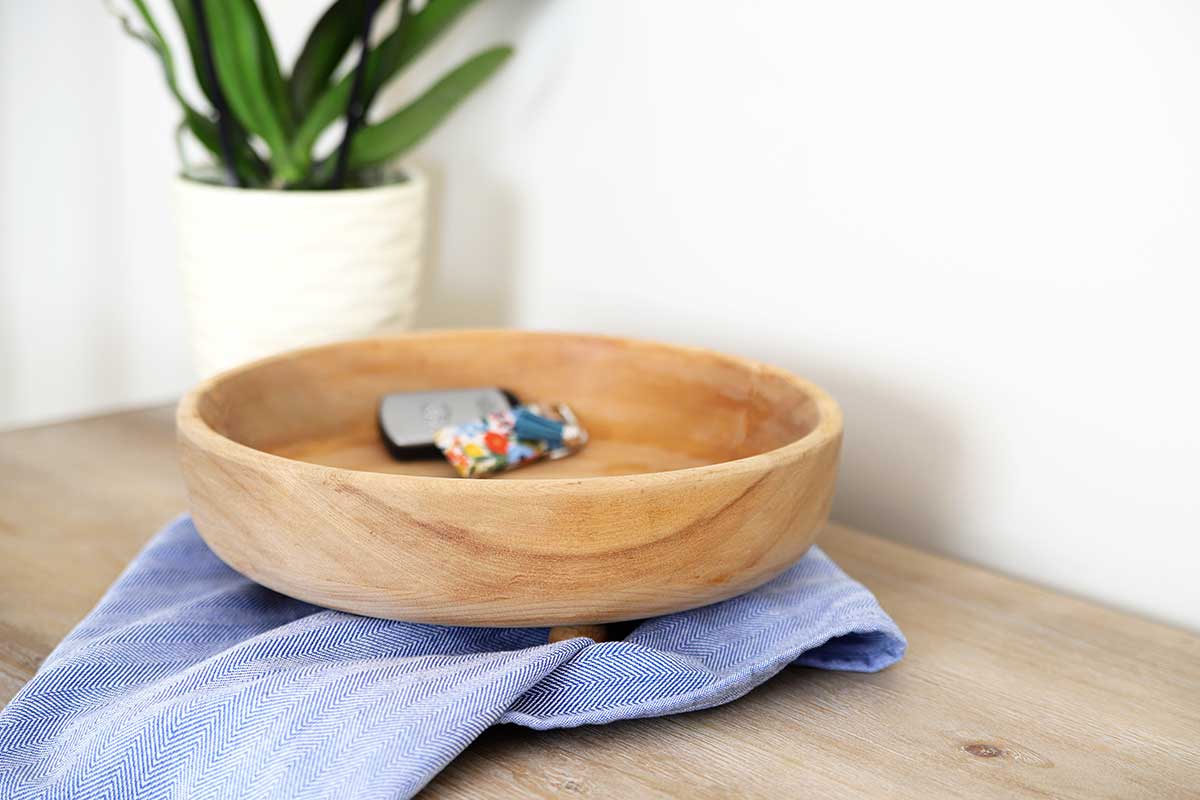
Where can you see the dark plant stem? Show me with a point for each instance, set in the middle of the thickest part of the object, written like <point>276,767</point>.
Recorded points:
<point>224,121</point>
<point>360,100</point>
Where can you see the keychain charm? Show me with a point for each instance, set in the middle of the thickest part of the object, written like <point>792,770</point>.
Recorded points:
<point>508,439</point>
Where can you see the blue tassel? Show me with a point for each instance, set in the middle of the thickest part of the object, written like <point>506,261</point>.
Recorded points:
<point>529,425</point>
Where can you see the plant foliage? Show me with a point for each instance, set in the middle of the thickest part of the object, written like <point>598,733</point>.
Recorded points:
<point>262,125</point>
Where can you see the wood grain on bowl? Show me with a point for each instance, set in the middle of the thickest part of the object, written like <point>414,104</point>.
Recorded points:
<point>705,476</point>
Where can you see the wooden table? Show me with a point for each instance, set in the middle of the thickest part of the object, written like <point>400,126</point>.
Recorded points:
<point>1007,690</point>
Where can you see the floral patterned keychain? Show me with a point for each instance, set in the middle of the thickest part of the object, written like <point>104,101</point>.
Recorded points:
<point>509,439</point>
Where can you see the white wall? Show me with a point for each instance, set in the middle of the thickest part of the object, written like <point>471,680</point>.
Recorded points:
<point>975,223</point>
<point>89,317</point>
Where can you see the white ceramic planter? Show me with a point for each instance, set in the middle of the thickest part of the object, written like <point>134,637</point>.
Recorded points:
<point>266,271</point>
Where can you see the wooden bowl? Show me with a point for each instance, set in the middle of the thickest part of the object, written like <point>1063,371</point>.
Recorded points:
<point>705,476</point>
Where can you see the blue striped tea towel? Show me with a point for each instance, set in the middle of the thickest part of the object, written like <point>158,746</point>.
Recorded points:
<point>191,681</point>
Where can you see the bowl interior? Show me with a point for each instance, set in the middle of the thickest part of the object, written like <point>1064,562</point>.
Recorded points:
<point>647,407</point>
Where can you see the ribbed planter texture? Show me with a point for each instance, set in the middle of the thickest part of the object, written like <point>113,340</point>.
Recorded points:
<point>266,271</point>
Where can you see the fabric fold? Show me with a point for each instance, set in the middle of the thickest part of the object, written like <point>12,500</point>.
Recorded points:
<point>189,680</point>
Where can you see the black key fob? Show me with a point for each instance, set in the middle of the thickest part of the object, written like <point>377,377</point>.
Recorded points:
<point>408,420</point>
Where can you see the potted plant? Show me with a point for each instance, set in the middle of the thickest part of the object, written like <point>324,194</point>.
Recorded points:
<point>281,244</point>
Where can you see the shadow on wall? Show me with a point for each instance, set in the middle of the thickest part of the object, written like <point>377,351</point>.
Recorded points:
<point>469,284</point>
<point>471,260</point>
<point>902,465</point>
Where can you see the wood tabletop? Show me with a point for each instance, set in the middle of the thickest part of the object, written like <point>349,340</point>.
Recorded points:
<point>1008,690</point>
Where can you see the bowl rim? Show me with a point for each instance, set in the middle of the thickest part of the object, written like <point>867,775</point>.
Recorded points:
<point>190,424</point>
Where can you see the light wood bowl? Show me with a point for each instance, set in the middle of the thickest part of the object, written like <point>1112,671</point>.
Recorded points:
<point>705,476</point>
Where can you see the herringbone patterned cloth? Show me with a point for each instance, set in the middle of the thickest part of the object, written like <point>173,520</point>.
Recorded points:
<point>190,681</point>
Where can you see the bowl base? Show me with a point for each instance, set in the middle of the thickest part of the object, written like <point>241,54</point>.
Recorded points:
<point>560,633</point>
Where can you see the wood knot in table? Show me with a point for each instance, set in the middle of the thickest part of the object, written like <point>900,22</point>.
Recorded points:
<point>983,750</point>
<point>1009,751</point>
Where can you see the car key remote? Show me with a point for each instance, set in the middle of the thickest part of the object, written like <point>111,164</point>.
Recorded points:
<point>408,420</point>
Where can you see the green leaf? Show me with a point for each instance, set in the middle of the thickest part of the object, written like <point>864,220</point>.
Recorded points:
<point>324,49</point>
<point>391,49</point>
<point>252,170</point>
<point>272,76</point>
<point>383,62</point>
<point>191,31</point>
<point>393,136</point>
<point>153,39</point>
<point>249,167</point>
<point>243,64</point>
